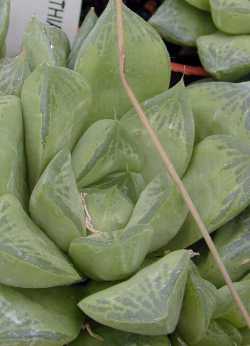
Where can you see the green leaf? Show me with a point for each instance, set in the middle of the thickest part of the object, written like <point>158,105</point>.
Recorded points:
<point>218,180</point>
<point>245,336</point>
<point>149,303</point>
<point>232,17</point>
<point>55,102</point>
<point>112,337</point>
<point>87,25</point>
<point>13,72</point>
<point>233,243</point>
<point>220,108</point>
<point>45,43</point>
<point>180,23</point>
<point>55,203</point>
<point>227,308</point>
<point>28,258</point>
<point>106,147</point>
<point>225,57</point>
<point>94,255</point>
<point>198,307</point>
<point>161,207</point>
<point>98,62</point>
<point>47,317</point>
<point>221,333</point>
<point>200,4</point>
<point>170,114</point>
<point>109,208</point>
<point>12,158</point>
<point>4,20</point>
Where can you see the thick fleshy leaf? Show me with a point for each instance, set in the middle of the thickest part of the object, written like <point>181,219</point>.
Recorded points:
<point>55,203</point>
<point>201,4</point>
<point>12,158</point>
<point>4,21</point>
<point>13,72</point>
<point>245,333</point>
<point>218,180</point>
<point>94,255</point>
<point>221,333</point>
<point>198,307</point>
<point>181,23</point>
<point>98,62</point>
<point>149,303</point>
<point>109,208</point>
<point>171,116</point>
<point>112,337</point>
<point>226,57</point>
<point>227,308</point>
<point>28,258</point>
<point>55,102</point>
<point>87,25</point>
<point>45,43</point>
<point>130,183</point>
<point>231,17</point>
<point>105,148</point>
<point>161,206</point>
<point>47,317</point>
<point>233,244</point>
<point>220,108</point>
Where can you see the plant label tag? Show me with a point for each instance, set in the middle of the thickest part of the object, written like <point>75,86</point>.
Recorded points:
<point>64,14</point>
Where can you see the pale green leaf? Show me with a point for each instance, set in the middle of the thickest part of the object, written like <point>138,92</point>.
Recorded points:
<point>180,23</point>
<point>55,203</point>
<point>149,303</point>
<point>55,103</point>
<point>28,258</point>
<point>98,62</point>
<point>4,20</point>
<point>201,4</point>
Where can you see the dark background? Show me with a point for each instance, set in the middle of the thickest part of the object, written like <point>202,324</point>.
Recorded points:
<point>145,8</point>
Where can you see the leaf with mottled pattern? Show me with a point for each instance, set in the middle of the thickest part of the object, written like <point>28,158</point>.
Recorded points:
<point>45,43</point>
<point>29,258</point>
<point>87,25</point>
<point>97,61</point>
<point>220,108</point>
<point>12,157</point>
<point>55,203</point>
<point>47,317</point>
<point>114,255</point>
<point>106,147</point>
<point>231,16</point>
<point>170,114</point>
<point>160,206</point>
<point>149,303</point>
<point>226,57</point>
<point>112,337</point>
<point>55,103</point>
<point>218,180</point>
<point>180,23</point>
<point>233,244</point>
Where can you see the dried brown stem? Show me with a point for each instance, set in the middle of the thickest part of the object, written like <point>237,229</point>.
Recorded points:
<point>88,220</point>
<point>169,165</point>
<point>91,333</point>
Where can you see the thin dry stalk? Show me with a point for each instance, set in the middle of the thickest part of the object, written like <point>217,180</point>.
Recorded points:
<point>168,164</point>
<point>91,333</point>
<point>88,220</point>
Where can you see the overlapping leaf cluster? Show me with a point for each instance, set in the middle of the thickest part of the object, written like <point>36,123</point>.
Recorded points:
<point>91,226</point>
<point>220,29</point>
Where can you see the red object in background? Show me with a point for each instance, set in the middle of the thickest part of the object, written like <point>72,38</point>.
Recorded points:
<point>150,6</point>
<point>189,70</point>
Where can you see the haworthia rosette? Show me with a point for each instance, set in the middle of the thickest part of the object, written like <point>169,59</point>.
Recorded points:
<point>149,303</point>
<point>55,103</point>
<point>44,43</point>
<point>29,258</point>
<point>218,182</point>
<point>97,61</point>
<point>180,23</point>
<point>55,203</point>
